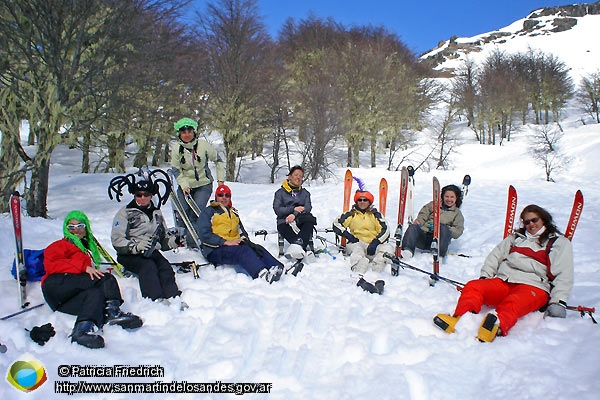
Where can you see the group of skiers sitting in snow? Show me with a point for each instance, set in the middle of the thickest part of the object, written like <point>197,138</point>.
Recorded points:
<point>530,269</point>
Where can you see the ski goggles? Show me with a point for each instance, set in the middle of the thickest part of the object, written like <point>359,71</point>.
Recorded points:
<point>76,226</point>
<point>186,128</point>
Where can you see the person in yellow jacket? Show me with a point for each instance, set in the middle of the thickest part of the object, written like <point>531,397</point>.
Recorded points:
<point>366,233</point>
<point>226,242</point>
<point>190,161</point>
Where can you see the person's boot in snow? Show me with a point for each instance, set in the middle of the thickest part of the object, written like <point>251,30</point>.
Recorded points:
<point>83,334</point>
<point>272,274</point>
<point>114,316</point>
<point>445,322</point>
<point>489,328</point>
<point>295,251</point>
<point>295,268</point>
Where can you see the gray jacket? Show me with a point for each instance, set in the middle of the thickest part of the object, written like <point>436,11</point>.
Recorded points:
<point>514,266</point>
<point>130,224</point>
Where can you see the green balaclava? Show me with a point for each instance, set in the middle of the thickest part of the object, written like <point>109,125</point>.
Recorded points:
<point>185,122</point>
<point>89,236</point>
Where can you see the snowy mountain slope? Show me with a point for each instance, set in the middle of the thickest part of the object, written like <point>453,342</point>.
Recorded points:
<point>576,46</point>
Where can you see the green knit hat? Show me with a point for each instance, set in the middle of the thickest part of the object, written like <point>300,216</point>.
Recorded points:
<point>185,122</point>
<point>91,248</point>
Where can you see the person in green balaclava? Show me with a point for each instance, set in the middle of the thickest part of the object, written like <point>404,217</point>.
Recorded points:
<point>73,284</point>
<point>189,158</point>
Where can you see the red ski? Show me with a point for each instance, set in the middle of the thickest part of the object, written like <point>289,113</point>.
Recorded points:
<point>575,215</point>
<point>511,210</point>
<point>410,194</point>
<point>347,195</point>
<point>21,272</point>
<point>383,191</point>
<point>436,226</point>
<point>401,209</point>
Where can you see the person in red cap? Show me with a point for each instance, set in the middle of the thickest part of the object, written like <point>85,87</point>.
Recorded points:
<point>225,241</point>
<point>366,233</point>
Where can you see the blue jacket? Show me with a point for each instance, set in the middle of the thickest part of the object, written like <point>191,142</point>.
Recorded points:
<point>287,198</point>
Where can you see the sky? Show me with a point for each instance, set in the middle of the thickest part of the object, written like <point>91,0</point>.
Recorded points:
<point>318,335</point>
<point>421,25</point>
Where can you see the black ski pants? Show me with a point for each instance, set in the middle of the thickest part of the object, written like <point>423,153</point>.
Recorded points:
<point>78,294</point>
<point>306,223</point>
<point>155,274</point>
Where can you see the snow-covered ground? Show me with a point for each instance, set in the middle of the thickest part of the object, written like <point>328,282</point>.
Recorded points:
<point>318,335</point>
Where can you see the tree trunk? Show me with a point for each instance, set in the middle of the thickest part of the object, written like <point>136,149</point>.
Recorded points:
<point>373,150</point>
<point>85,147</point>
<point>38,193</point>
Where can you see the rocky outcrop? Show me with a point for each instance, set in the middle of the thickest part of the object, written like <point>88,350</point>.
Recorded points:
<point>536,23</point>
<point>575,10</point>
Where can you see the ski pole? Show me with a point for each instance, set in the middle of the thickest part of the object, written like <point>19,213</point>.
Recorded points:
<point>434,277</point>
<point>583,310</point>
<point>21,312</point>
<point>325,240</point>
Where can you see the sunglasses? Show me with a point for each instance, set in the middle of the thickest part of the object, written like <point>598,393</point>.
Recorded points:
<point>361,200</point>
<point>186,128</point>
<point>528,221</point>
<point>76,226</point>
<point>143,194</point>
<point>224,195</point>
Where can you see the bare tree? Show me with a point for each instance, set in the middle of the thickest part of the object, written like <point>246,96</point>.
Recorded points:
<point>545,149</point>
<point>588,96</point>
<point>235,43</point>
<point>310,48</point>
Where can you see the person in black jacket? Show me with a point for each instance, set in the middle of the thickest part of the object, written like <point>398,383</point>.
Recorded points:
<point>293,209</point>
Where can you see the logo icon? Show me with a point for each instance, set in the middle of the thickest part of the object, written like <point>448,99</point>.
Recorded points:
<point>26,374</point>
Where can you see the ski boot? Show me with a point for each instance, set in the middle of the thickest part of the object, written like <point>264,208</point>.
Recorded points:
<point>114,316</point>
<point>295,268</point>
<point>84,334</point>
<point>489,328</point>
<point>272,274</point>
<point>445,322</point>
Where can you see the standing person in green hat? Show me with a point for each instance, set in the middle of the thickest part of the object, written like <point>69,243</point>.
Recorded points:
<point>189,158</point>
<point>73,284</point>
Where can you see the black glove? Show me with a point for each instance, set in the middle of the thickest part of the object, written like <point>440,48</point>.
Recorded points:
<point>41,334</point>
<point>350,237</point>
<point>257,249</point>
<point>373,247</point>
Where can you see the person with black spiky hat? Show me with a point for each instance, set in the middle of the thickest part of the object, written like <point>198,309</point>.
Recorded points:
<point>73,284</point>
<point>190,160</point>
<point>366,232</point>
<point>452,224</point>
<point>132,237</point>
